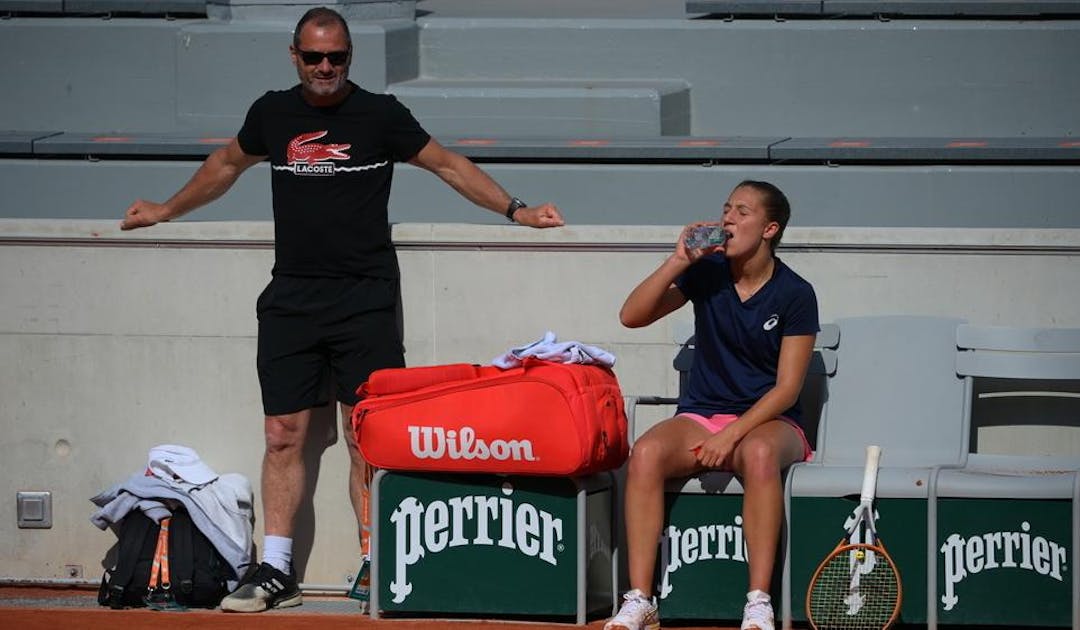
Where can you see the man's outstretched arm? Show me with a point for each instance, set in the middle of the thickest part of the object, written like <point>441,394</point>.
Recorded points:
<point>478,187</point>
<point>213,179</point>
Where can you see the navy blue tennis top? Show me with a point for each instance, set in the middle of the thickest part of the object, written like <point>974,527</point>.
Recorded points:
<point>738,343</point>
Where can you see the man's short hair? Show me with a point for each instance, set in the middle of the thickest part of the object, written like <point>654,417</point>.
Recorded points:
<point>324,17</point>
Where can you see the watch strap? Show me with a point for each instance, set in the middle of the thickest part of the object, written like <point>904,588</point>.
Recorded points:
<point>515,205</point>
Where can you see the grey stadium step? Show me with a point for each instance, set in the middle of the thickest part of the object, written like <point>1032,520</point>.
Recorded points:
<point>143,144</point>
<point>31,6</point>
<point>21,142</point>
<point>658,149</point>
<point>951,8</point>
<point>655,149</point>
<point>148,7</point>
<point>54,144</point>
<point>866,8</point>
<point>799,77</point>
<point>103,7</point>
<point>549,107</point>
<point>755,7</point>
<point>927,150</point>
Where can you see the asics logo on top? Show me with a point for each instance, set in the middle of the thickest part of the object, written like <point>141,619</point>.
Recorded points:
<point>771,323</point>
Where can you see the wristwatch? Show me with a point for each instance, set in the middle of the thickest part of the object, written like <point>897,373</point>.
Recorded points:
<point>515,205</point>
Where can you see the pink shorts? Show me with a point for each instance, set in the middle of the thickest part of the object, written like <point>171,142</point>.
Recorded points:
<point>716,423</point>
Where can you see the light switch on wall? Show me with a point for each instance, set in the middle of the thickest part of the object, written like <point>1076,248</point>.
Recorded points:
<point>34,509</point>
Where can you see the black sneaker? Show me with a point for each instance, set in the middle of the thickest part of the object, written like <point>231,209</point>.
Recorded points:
<point>263,588</point>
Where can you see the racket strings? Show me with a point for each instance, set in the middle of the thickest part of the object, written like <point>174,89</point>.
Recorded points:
<point>869,601</point>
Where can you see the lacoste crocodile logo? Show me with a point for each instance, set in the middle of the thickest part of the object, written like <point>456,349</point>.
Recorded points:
<point>303,149</point>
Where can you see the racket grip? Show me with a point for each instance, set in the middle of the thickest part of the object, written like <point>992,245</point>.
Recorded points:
<point>873,458</point>
<point>365,521</point>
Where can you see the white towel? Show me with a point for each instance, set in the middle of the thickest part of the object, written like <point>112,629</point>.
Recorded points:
<point>547,348</point>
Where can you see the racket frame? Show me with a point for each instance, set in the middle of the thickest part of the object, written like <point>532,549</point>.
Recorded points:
<point>862,516</point>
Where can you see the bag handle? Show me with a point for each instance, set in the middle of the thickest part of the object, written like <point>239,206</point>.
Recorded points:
<point>160,564</point>
<point>398,380</point>
<point>158,593</point>
<point>358,413</point>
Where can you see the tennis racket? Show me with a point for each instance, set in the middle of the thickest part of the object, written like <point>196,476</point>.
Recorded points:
<point>361,588</point>
<point>857,586</point>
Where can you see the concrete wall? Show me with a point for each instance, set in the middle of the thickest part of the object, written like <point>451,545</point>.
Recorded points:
<point>115,342</point>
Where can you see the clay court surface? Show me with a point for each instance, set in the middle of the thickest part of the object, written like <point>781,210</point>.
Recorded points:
<point>33,608</point>
<point>37,608</point>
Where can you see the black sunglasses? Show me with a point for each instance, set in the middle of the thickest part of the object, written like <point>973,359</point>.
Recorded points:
<point>314,57</point>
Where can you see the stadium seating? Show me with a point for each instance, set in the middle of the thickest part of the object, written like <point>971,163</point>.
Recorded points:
<point>895,386</point>
<point>1005,524</point>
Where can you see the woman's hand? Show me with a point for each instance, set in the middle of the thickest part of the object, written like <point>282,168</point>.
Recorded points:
<point>716,450</point>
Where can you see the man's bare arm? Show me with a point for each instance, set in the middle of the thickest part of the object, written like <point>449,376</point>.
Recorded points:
<point>213,179</point>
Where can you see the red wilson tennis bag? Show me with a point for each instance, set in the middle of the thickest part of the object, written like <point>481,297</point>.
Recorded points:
<point>541,418</point>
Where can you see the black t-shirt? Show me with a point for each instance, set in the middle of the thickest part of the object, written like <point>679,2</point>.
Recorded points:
<point>331,174</point>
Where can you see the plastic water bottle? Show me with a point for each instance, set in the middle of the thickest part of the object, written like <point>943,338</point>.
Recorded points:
<point>704,236</point>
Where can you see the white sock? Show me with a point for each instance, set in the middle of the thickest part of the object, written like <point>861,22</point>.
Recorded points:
<point>277,552</point>
<point>758,596</point>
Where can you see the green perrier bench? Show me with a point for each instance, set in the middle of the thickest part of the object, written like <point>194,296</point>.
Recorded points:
<point>493,545</point>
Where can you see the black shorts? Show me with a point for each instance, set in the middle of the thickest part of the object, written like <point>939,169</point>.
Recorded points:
<point>310,328</point>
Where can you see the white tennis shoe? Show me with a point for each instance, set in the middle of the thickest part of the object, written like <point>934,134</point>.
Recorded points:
<point>758,613</point>
<point>637,613</point>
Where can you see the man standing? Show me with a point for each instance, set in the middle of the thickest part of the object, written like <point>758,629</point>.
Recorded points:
<point>332,300</point>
